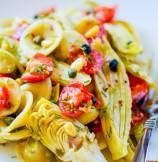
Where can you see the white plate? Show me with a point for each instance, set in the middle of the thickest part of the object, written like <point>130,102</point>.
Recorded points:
<point>142,14</point>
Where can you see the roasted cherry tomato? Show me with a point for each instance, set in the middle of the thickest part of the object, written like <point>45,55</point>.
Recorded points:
<point>4,75</point>
<point>74,100</point>
<point>38,68</point>
<point>45,12</point>
<point>4,97</point>
<point>139,88</point>
<point>94,63</point>
<point>93,59</point>
<point>137,117</point>
<point>104,14</point>
<point>95,126</point>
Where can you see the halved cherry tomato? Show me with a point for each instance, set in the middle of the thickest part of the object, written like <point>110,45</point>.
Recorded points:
<point>4,97</point>
<point>104,14</point>
<point>74,100</point>
<point>93,60</point>
<point>139,88</point>
<point>45,12</point>
<point>137,117</point>
<point>4,75</point>
<point>94,64</point>
<point>38,68</point>
<point>95,126</point>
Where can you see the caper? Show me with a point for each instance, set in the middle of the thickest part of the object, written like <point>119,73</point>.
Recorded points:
<point>72,73</point>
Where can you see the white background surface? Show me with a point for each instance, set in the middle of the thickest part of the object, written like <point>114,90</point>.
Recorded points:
<point>143,14</point>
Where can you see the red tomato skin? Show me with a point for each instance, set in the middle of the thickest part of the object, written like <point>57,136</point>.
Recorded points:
<point>138,117</point>
<point>4,97</point>
<point>92,66</point>
<point>37,77</point>
<point>29,78</point>
<point>95,65</point>
<point>78,98</point>
<point>139,88</point>
<point>105,14</point>
<point>4,75</point>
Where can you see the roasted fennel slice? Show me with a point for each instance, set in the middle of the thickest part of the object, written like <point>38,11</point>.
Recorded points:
<point>114,92</point>
<point>137,69</point>
<point>123,37</point>
<point>127,158</point>
<point>68,139</point>
<point>60,75</point>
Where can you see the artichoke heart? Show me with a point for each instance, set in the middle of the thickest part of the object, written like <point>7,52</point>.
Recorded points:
<point>114,92</point>
<point>68,139</point>
<point>124,38</point>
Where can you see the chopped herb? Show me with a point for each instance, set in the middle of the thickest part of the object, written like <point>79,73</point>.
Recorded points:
<point>64,81</point>
<point>110,132</point>
<point>57,116</point>
<point>13,157</point>
<point>103,111</point>
<point>93,107</point>
<point>129,42</point>
<point>85,104</point>
<point>87,81</point>
<point>53,101</point>
<point>103,93</point>
<point>78,128</point>
<point>8,120</point>
<point>72,73</point>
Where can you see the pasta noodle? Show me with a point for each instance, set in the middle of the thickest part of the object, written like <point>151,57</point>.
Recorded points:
<point>39,89</point>
<point>44,29</point>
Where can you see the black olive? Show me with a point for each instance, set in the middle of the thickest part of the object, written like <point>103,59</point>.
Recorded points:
<point>37,39</point>
<point>86,48</point>
<point>72,73</point>
<point>113,65</point>
<point>94,100</point>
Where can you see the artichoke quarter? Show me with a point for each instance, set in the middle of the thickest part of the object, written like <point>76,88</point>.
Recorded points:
<point>68,139</point>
